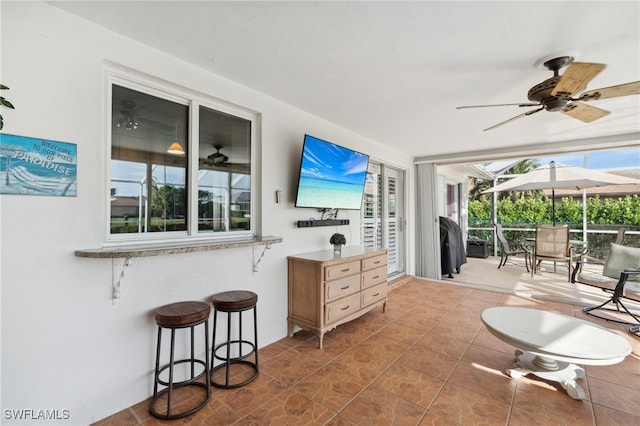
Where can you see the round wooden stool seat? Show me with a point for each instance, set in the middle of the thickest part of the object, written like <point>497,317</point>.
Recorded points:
<point>182,314</point>
<point>243,360</point>
<point>236,300</point>
<point>177,316</point>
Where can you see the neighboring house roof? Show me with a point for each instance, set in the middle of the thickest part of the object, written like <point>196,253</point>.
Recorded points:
<point>603,191</point>
<point>125,202</point>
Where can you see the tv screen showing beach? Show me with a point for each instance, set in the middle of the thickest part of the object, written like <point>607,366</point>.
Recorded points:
<point>331,176</point>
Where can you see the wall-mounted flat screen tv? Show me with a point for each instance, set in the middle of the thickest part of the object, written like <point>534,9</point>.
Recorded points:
<point>331,176</point>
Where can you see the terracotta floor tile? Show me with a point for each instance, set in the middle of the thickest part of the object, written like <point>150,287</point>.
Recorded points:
<point>469,408</point>
<point>248,398</point>
<point>362,364</point>
<point>291,367</point>
<point>445,345</point>
<point>412,385</point>
<point>615,396</point>
<point>427,361</point>
<point>401,332</point>
<point>433,419</point>
<point>609,416</point>
<point>465,331</point>
<point>552,405</point>
<point>485,339</point>
<point>417,321</point>
<point>275,349</point>
<point>380,345</point>
<point>376,406</point>
<point>496,361</point>
<point>338,420</point>
<point>291,408</point>
<point>329,386</point>
<point>483,380</point>
<point>124,417</point>
<point>626,373</point>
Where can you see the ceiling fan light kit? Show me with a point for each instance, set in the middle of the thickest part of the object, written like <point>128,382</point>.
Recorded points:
<point>556,94</point>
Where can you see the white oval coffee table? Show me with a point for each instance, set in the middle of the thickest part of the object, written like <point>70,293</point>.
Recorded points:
<point>549,344</point>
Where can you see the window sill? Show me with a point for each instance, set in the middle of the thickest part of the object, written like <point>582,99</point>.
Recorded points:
<point>148,250</point>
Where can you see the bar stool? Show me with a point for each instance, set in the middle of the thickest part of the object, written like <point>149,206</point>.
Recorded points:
<point>236,301</point>
<point>178,316</point>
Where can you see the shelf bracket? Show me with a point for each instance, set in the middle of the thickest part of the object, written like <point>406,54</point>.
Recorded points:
<point>256,263</point>
<point>118,267</point>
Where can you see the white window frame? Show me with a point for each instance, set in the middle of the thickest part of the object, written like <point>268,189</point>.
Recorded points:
<point>194,100</point>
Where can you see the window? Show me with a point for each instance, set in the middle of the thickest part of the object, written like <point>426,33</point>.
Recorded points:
<point>180,166</point>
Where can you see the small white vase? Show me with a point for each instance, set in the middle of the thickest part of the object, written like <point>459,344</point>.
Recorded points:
<point>337,248</point>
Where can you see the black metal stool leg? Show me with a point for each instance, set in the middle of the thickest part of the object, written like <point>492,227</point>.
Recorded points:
<point>175,316</point>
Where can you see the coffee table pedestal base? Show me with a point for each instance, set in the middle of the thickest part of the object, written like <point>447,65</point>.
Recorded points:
<point>549,369</point>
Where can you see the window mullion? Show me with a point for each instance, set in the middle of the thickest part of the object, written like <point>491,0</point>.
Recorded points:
<point>192,177</point>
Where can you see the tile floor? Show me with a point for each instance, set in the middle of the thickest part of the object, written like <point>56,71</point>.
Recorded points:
<point>427,360</point>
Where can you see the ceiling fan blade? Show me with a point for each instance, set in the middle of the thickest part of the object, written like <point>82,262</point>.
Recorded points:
<point>583,112</point>
<point>626,89</point>
<point>576,78</point>
<point>514,118</point>
<point>523,104</point>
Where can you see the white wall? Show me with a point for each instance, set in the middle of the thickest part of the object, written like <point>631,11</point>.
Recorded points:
<point>64,344</point>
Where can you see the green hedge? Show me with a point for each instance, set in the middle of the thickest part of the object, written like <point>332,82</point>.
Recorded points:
<point>608,211</point>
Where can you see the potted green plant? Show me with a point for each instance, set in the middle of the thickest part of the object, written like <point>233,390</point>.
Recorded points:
<point>5,103</point>
<point>338,240</point>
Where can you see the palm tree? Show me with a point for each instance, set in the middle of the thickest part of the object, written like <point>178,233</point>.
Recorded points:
<point>478,185</point>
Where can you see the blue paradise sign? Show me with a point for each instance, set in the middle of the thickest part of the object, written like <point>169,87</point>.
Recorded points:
<point>30,166</point>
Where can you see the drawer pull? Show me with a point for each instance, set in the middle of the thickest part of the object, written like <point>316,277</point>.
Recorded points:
<point>344,288</point>
<point>376,262</point>
<point>376,295</point>
<point>376,277</point>
<point>345,270</point>
<point>345,308</point>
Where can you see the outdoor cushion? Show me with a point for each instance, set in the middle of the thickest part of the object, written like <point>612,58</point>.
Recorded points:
<point>598,280</point>
<point>621,258</point>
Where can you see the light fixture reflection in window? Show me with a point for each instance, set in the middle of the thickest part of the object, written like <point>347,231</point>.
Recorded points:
<point>128,123</point>
<point>176,148</point>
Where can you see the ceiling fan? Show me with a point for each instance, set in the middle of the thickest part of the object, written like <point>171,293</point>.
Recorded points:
<point>557,93</point>
<point>218,159</point>
<point>130,119</point>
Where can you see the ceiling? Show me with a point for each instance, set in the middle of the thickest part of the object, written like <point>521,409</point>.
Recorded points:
<point>394,72</point>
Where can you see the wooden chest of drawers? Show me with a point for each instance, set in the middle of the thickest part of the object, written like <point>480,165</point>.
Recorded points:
<point>326,290</point>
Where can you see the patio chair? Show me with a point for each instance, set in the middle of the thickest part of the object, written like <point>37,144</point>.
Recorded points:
<point>552,244</point>
<point>584,258</point>
<point>508,250</point>
<point>620,278</point>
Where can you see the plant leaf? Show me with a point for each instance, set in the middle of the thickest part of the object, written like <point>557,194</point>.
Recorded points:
<point>3,87</point>
<point>6,103</point>
<point>1,123</point>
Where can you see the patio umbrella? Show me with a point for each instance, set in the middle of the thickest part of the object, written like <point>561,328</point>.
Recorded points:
<point>560,176</point>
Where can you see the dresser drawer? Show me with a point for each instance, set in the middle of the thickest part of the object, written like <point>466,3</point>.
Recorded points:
<point>341,287</point>
<point>373,294</point>
<point>341,308</point>
<point>374,262</point>
<point>374,276</point>
<point>341,270</point>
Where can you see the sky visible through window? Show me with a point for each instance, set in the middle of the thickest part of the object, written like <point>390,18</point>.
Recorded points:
<point>626,159</point>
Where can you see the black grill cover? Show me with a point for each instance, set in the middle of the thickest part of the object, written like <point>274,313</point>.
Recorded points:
<point>452,253</point>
